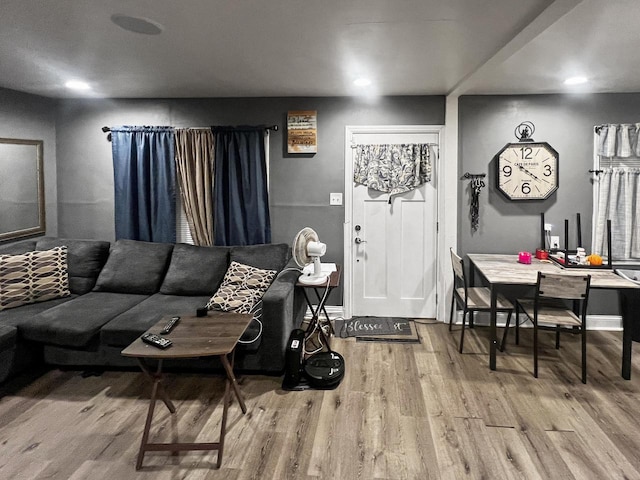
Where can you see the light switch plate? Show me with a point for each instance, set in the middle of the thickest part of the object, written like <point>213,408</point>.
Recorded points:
<point>335,199</point>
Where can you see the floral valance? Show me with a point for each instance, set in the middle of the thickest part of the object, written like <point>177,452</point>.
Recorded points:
<point>392,168</point>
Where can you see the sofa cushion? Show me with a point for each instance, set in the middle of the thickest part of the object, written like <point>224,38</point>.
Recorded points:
<point>17,247</point>
<point>195,270</point>
<point>85,259</point>
<point>242,288</point>
<point>8,335</point>
<point>270,256</point>
<point>18,316</point>
<point>126,327</point>
<point>77,323</point>
<point>35,276</point>
<point>134,267</point>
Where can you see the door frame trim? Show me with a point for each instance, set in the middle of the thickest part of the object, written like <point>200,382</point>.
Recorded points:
<point>437,181</point>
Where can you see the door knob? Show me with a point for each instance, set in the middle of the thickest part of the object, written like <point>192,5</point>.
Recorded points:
<point>359,240</point>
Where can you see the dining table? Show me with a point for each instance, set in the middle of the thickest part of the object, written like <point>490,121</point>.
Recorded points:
<point>503,270</point>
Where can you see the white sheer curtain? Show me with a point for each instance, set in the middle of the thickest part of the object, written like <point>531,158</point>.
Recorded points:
<point>618,187</point>
<point>619,197</point>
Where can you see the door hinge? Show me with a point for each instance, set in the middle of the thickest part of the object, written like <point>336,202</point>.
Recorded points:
<point>436,299</point>
<point>437,227</point>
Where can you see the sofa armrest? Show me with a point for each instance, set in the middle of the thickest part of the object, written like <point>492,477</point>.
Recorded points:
<point>283,309</point>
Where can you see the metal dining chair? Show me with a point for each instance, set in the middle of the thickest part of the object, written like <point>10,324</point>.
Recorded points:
<point>471,299</point>
<point>549,309</point>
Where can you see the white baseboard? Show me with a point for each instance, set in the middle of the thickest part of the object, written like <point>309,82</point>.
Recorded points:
<point>594,322</point>
<point>335,312</point>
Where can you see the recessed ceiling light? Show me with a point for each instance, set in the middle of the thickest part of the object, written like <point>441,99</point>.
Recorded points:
<point>362,82</point>
<point>77,85</point>
<point>141,25</point>
<point>575,81</point>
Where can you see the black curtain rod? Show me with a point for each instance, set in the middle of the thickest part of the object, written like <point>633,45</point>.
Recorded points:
<point>105,129</point>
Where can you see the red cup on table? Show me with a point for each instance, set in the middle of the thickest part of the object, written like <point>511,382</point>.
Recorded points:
<point>524,257</point>
<point>541,254</point>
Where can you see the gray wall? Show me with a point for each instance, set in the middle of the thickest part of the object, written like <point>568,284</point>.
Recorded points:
<point>564,121</point>
<point>32,117</point>
<point>300,184</point>
<point>79,174</point>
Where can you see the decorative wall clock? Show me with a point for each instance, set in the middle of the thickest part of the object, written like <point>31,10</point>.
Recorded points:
<point>527,170</point>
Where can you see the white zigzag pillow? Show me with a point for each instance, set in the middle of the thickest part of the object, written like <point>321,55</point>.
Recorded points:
<point>242,287</point>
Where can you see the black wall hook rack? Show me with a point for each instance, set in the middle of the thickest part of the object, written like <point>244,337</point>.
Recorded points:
<point>468,175</point>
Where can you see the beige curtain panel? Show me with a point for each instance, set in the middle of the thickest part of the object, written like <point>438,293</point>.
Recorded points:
<point>194,162</point>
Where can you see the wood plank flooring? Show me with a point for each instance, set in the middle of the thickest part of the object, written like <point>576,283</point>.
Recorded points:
<point>403,411</point>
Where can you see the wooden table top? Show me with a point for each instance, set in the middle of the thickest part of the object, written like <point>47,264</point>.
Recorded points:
<point>215,334</point>
<point>505,269</point>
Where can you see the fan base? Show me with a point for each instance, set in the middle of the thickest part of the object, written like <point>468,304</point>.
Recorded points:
<point>313,279</point>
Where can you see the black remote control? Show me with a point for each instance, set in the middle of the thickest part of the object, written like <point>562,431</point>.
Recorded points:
<point>170,324</point>
<point>156,340</point>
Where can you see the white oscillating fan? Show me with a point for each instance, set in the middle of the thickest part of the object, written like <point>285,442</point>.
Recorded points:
<point>307,249</point>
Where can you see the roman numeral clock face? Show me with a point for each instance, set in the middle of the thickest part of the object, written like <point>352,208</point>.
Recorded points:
<point>527,171</point>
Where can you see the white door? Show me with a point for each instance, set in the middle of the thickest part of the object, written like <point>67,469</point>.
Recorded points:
<point>393,257</point>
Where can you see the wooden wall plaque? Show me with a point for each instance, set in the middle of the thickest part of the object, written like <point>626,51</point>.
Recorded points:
<point>302,133</point>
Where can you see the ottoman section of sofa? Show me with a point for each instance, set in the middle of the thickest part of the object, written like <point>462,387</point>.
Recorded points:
<point>78,322</point>
<point>128,326</point>
<point>24,313</point>
<point>8,338</point>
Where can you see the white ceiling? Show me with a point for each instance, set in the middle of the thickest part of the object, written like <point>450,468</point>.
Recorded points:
<point>249,48</point>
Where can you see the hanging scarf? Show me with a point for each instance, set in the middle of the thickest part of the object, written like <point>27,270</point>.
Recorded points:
<point>476,185</point>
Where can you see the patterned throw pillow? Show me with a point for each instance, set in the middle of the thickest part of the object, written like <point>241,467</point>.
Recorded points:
<point>33,277</point>
<point>242,287</point>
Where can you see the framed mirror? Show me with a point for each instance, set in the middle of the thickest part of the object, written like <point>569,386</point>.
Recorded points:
<point>21,188</point>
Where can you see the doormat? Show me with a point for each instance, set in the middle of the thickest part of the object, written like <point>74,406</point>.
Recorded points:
<point>378,329</point>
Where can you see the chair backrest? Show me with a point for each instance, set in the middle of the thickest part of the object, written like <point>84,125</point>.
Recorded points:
<point>568,287</point>
<point>564,287</point>
<point>458,270</point>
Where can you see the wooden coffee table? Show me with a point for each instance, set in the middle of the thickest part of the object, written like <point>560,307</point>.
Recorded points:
<point>214,335</point>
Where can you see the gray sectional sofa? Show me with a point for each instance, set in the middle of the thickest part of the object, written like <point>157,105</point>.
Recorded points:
<point>120,289</point>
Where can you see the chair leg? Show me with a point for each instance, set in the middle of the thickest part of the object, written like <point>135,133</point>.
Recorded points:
<point>472,319</point>
<point>453,301</point>
<point>506,330</point>
<point>535,347</point>
<point>557,337</point>
<point>584,354</point>
<point>517,326</point>
<point>464,317</point>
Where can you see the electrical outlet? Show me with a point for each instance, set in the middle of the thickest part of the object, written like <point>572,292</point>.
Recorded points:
<point>547,227</point>
<point>335,199</point>
<point>555,241</point>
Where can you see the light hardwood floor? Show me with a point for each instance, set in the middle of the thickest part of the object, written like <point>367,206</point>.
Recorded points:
<point>403,411</point>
